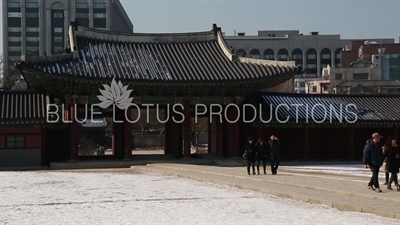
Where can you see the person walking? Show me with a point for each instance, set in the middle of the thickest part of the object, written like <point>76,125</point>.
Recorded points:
<point>373,159</point>
<point>275,145</point>
<point>385,169</point>
<point>250,155</point>
<point>392,155</point>
<point>262,155</point>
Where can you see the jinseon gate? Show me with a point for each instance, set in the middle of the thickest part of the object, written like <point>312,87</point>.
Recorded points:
<point>163,69</point>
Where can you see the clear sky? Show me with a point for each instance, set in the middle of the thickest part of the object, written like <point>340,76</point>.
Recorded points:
<point>350,19</point>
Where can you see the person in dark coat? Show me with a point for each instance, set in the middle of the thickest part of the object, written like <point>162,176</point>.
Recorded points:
<point>262,155</point>
<point>275,154</point>
<point>250,153</point>
<point>373,159</point>
<point>392,155</point>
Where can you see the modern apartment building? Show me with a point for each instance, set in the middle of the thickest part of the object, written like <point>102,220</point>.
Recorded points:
<point>313,51</point>
<point>41,26</point>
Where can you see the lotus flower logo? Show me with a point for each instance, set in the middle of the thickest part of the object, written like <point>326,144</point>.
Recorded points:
<point>116,94</point>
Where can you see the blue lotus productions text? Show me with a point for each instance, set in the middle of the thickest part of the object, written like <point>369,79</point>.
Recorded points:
<point>248,113</point>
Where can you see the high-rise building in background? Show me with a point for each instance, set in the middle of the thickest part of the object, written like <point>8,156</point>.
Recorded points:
<point>41,26</point>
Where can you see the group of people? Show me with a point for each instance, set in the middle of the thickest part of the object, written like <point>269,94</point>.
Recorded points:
<point>377,154</point>
<point>260,152</point>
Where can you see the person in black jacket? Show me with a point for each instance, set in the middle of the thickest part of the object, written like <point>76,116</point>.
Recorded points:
<point>262,155</point>
<point>373,159</point>
<point>275,154</point>
<point>392,155</point>
<point>250,153</point>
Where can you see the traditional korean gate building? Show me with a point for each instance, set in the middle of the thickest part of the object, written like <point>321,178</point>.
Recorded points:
<point>186,68</point>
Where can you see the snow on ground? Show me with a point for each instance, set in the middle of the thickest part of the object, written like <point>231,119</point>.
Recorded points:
<point>127,198</point>
<point>346,169</point>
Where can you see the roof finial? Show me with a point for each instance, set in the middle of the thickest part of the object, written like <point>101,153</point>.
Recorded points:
<point>216,29</point>
<point>75,24</point>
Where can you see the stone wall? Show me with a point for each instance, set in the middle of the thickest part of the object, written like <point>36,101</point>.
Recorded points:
<point>20,157</point>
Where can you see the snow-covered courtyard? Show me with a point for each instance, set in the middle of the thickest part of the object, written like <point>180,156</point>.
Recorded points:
<point>124,197</point>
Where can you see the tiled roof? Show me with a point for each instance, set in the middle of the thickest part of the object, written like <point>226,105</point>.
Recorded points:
<point>330,108</point>
<point>159,58</point>
<point>95,123</point>
<point>22,107</point>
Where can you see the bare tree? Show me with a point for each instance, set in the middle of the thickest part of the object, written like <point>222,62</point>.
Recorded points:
<point>7,74</point>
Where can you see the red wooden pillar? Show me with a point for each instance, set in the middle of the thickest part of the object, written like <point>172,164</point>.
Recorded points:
<point>186,129</point>
<point>351,146</point>
<point>44,147</point>
<point>306,143</point>
<point>128,134</point>
<point>74,131</point>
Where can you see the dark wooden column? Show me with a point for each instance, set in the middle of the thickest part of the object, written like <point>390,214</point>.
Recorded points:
<point>213,135</point>
<point>306,143</point>
<point>167,137</point>
<point>235,152</point>
<point>74,131</point>
<point>118,134</point>
<point>128,134</point>
<point>396,130</point>
<point>221,136</point>
<point>186,129</point>
<point>351,145</point>
<point>44,147</point>
<point>261,131</point>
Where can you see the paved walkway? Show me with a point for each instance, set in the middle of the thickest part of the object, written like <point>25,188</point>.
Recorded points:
<point>347,193</point>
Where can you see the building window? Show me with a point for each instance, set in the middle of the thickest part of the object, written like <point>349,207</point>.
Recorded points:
<point>14,5</point>
<point>58,15</point>
<point>360,76</point>
<point>14,39</point>
<point>14,48</point>
<point>338,56</point>
<point>14,58</point>
<point>338,76</point>
<point>32,14</point>
<point>32,39</point>
<point>32,5</point>
<point>99,5</point>
<point>337,65</point>
<point>14,29</point>
<point>82,15</point>
<point>311,56</point>
<point>15,141</point>
<point>99,15</point>
<point>57,5</point>
<point>58,30</point>
<point>58,39</point>
<point>314,88</point>
<point>326,56</point>
<point>82,5</point>
<point>32,48</point>
<point>297,56</point>
<point>302,84</point>
<point>311,66</point>
<point>32,29</point>
<point>57,49</point>
<point>14,14</point>
<point>282,56</point>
